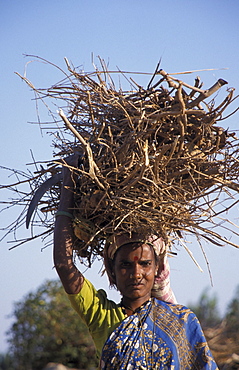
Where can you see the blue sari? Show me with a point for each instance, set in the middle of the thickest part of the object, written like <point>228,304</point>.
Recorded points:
<point>158,336</point>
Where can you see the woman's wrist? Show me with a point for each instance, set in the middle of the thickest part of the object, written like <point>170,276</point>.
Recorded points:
<point>64,213</point>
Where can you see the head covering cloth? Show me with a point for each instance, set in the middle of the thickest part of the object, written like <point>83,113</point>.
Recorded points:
<point>161,288</point>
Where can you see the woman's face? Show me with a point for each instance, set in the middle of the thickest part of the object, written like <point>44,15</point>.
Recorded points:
<point>135,269</point>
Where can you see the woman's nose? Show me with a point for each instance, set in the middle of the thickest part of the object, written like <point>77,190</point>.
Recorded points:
<point>136,273</point>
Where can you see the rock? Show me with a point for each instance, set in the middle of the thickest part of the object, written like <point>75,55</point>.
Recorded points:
<point>54,366</point>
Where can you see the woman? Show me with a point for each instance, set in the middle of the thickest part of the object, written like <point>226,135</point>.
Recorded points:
<point>142,332</point>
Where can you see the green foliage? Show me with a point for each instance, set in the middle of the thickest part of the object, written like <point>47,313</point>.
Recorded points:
<point>232,316</point>
<point>206,310</point>
<point>6,362</point>
<point>47,329</point>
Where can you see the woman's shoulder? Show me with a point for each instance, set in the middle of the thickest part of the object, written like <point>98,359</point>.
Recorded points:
<point>176,308</point>
<point>89,297</point>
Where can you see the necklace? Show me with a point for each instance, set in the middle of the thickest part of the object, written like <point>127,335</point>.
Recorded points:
<point>125,307</point>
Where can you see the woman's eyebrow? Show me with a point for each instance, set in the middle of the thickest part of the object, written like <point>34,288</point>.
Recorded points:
<point>146,260</point>
<point>134,260</point>
<point>125,260</point>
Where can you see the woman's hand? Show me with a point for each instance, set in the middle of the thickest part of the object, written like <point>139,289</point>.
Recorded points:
<point>69,170</point>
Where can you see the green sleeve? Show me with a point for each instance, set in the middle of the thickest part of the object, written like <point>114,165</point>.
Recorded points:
<point>100,314</point>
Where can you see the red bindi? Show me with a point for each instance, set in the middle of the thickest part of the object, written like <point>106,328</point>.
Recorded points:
<point>136,258</point>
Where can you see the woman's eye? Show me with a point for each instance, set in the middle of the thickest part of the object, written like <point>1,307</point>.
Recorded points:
<point>125,264</point>
<point>145,263</point>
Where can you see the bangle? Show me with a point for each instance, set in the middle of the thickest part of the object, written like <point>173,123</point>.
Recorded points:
<point>63,213</point>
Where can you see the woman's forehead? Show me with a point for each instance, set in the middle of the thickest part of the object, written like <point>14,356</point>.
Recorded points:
<point>135,251</point>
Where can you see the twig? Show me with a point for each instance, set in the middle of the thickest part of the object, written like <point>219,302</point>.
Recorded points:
<point>92,164</point>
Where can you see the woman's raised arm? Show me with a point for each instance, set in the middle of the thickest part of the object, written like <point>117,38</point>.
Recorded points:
<point>71,278</point>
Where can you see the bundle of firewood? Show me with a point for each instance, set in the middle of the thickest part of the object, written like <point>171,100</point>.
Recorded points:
<point>152,159</point>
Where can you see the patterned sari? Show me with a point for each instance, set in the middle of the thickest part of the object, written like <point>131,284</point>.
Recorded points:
<point>158,336</point>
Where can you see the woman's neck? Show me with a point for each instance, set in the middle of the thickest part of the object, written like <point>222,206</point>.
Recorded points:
<point>132,306</point>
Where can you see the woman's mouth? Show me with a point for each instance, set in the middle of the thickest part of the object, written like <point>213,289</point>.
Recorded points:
<point>136,285</point>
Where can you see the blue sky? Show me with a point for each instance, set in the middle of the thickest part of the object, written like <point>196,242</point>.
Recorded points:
<point>133,35</point>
